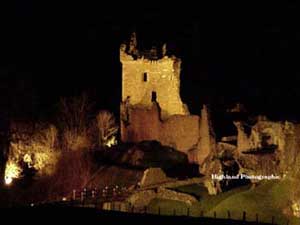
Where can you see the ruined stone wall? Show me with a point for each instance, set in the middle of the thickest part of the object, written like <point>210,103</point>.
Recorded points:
<point>283,135</point>
<point>190,134</point>
<point>151,107</point>
<point>143,124</point>
<point>207,142</point>
<point>277,131</point>
<point>243,142</point>
<point>193,155</point>
<point>141,77</point>
<point>179,132</point>
<point>291,153</point>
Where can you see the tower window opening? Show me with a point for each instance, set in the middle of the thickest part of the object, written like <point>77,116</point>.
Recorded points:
<point>153,96</point>
<point>145,77</point>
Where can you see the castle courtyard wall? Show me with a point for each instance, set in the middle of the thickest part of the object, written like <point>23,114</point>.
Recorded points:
<point>178,131</point>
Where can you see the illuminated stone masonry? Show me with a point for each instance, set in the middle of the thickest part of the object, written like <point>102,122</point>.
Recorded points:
<point>148,77</point>
<point>152,108</point>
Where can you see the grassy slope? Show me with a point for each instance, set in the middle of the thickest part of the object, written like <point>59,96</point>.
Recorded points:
<point>196,190</point>
<point>205,204</point>
<point>268,199</point>
<point>167,207</point>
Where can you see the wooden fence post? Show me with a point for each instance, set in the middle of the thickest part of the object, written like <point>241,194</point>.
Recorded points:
<point>215,214</point>
<point>82,197</point>
<point>96,202</point>
<point>228,214</point>
<point>244,216</point>
<point>74,195</point>
<point>128,207</point>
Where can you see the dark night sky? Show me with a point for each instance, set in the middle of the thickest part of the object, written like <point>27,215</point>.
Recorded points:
<point>247,53</point>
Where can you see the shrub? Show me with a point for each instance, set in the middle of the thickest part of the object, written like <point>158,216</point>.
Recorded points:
<point>34,146</point>
<point>107,128</point>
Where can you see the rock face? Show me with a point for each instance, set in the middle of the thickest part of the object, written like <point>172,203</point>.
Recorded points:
<point>143,198</point>
<point>112,175</point>
<point>211,166</point>
<point>153,176</point>
<point>152,154</point>
<point>213,187</point>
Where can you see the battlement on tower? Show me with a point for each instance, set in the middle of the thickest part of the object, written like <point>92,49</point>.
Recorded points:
<point>131,51</point>
<point>151,76</point>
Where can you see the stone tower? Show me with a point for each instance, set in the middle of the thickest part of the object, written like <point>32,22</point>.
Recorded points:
<point>151,76</point>
<point>151,107</point>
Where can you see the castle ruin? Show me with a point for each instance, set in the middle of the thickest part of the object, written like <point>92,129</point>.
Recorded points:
<point>149,76</point>
<point>152,108</point>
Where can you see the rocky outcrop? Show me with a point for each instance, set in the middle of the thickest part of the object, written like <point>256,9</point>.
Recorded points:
<point>212,165</point>
<point>143,155</point>
<point>225,147</point>
<point>143,198</point>
<point>153,176</point>
<point>109,176</point>
<point>213,187</point>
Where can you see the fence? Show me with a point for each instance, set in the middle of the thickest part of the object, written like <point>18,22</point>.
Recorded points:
<point>113,193</point>
<point>145,210</point>
<point>113,199</point>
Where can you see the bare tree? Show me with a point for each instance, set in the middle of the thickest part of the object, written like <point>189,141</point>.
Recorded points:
<point>74,112</point>
<point>107,128</point>
<point>74,121</point>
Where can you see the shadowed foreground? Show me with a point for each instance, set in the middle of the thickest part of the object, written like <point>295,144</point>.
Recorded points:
<point>50,214</point>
